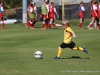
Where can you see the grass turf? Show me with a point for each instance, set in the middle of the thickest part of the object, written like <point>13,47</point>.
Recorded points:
<point>18,44</point>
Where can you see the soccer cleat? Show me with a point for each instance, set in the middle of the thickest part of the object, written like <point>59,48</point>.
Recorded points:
<point>43,29</point>
<point>26,26</point>
<point>33,28</point>
<point>85,50</point>
<point>91,28</point>
<point>56,58</point>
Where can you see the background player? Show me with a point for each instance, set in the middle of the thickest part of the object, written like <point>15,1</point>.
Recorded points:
<point>81,13</point>
<point>52,12</point>
<point>93,13</point>
<point>1,15</point>
<point>32,15</point>
<point>98,13</point>
<point>44,14</point>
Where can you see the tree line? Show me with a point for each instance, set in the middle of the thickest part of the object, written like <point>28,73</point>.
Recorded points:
<point>12,3</point>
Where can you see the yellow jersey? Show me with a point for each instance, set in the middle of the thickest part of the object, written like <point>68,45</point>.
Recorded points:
<point>68,35</point>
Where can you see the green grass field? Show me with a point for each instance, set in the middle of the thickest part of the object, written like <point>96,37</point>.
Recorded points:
<point>18,44</point>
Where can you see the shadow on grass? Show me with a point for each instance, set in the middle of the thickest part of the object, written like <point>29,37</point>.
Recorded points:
<point>74,57</point>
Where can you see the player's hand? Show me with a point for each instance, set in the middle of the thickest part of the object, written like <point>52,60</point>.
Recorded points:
<point>57,16</point>
<point>40,16</point>
<point>35,18</point>
<point>74,36</point>
<point>47,17</point>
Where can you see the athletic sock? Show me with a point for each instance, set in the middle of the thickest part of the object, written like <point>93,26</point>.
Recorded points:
<point>3,25</point>
<point>54,25</point>
<point>78,48</point>
<point>80,25</point>
<point>59,52</point>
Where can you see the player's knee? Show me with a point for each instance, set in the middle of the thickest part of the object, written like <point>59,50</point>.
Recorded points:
<point>60,47</point>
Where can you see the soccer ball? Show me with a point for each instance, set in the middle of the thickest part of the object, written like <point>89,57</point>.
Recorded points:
<point>38,54</point>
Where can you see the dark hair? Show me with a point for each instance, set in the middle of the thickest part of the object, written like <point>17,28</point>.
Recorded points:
<point>31,5</point>
<point>0,2</point>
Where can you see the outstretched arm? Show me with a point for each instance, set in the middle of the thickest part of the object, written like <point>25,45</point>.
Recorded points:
<point>73,34</point>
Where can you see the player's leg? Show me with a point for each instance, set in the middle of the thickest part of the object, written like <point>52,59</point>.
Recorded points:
<point>43,24</point>
<point>54,24</point>
<point>95,25</point>
<point>29,23</point>
<point>50,23</point>
<point>80,24</point>
<point>97,20</point>
<point>47,23</point>
<point>81,19</point>
<point>91,23</point>
<point>74,47</point>
<point>34,22</point>
<point>2,22</point>
<point>44,17</point>
<point>63,45</point>
<point>32,25</point>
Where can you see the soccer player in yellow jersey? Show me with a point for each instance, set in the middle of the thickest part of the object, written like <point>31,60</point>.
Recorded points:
<point>68,43</point>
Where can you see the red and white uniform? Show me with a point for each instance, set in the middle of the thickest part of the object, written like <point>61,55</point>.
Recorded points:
<point>52,11</point>
<point>98,10</point>
<point>93,10</point>
<point>81,11</point>
<point>1,10</point>
<point>29,8</point>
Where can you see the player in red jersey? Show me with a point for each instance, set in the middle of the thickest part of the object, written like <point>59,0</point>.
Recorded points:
<point>81,10</point>
<point>52,12</point>
<point>98,12</point>
<point>93,14</point>
<point>1,15</point>
<point>32,15</point>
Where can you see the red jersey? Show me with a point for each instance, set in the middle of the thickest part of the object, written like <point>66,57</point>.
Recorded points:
<point>93,10</point>
<point>52,11</point>
<point>1,10</point>
<point>29,9</point>
<point>98,10</point>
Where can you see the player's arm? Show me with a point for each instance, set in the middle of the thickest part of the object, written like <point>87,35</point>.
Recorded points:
<point>72,32</point>
<point>28,11</point>
<point>35,12</point>
<point>47,6</point>
<point>2,10</point>
<point>95,8</point>
<point>83,9</point>
<point>56,12</point>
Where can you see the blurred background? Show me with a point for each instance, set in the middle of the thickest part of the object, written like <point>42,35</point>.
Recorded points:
<point>14,9</point>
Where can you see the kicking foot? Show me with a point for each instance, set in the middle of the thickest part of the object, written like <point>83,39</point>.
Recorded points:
<point>85,50</point>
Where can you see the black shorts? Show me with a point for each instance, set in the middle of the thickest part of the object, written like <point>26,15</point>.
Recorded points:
<point>71,45</point>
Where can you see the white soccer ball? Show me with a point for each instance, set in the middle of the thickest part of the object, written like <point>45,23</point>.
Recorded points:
<point>38,54</point>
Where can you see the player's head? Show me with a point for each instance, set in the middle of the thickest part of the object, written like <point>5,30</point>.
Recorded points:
<point>46,1</point>
<point>52,3</point>
<point>32,3</point>
<point>92,1</point>
<point>1,2</point>
<point>81,3</point>
<point>65,23</point>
